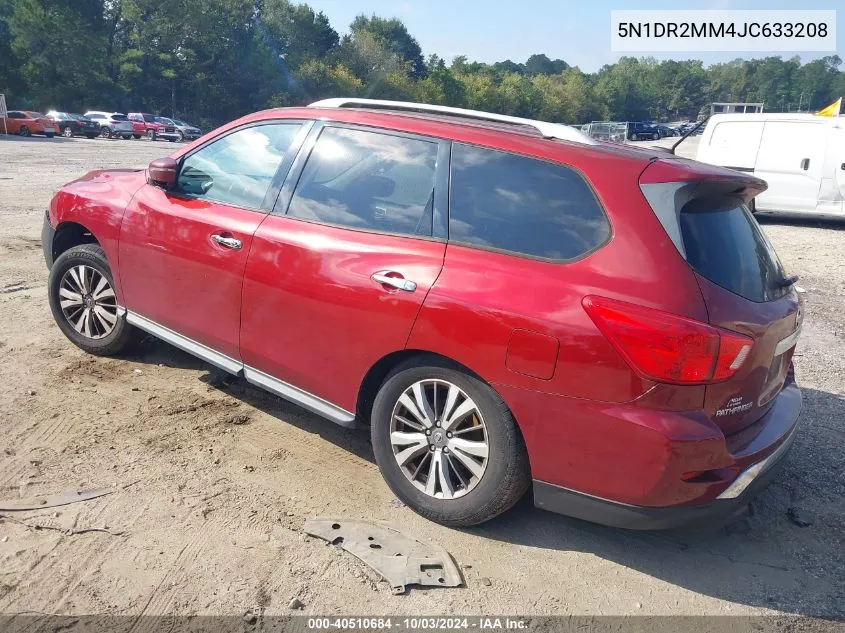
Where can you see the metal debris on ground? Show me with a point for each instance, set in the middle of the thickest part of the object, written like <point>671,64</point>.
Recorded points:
<point>52,501</point>
<point>401,560</point>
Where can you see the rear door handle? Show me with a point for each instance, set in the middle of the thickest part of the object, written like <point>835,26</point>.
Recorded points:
<point>399,283</point>
<point>805,164</point>
<point>227,242</point>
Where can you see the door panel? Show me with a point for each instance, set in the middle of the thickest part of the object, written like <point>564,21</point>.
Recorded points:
<point>174,273</point>
<point>184,252</point>
<point>312,314</point>
<point>337,283</point>
<point>791,161</point>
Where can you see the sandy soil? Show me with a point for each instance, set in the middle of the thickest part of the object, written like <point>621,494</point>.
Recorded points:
<point>215,481</point>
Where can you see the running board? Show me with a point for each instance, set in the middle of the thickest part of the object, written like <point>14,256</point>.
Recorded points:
<point>309,401</point>
<point>185,344</point>
<point>304,399</point>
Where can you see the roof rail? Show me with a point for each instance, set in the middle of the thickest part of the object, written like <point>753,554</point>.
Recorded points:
<point>548,130</point>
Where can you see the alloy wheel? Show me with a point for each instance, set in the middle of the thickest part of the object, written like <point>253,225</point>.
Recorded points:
<point>439,439</point>
<point>88,302</point>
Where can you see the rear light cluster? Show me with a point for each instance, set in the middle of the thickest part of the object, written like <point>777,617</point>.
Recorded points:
<point>666,347</point>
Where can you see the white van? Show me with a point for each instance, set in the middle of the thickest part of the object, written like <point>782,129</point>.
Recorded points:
<point>800,156</point>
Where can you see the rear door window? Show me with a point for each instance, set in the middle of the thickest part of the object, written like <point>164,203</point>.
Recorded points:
<point>368,180</point>
<point>724,243</point>
<point>522,205</point>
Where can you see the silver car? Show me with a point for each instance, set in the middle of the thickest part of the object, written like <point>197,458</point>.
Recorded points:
<point>112,124</point>
<point>187,132</point>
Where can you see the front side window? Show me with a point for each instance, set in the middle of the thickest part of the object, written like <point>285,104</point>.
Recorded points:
<point>238,168</point>
<point>368,180</point>
<point>523,205</point>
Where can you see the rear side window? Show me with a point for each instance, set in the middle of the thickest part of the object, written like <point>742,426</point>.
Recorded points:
<point>368,180</point>
<point>724,243</point>
<point>522,205</point>
<point>119,117</point>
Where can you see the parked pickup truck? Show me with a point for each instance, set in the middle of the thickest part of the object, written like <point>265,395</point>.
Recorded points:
<point>150,126</point>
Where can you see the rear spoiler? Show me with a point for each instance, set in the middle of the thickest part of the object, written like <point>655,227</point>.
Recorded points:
<point>703,177</point>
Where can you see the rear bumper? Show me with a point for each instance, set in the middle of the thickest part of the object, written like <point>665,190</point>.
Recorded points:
<point>730,502</point>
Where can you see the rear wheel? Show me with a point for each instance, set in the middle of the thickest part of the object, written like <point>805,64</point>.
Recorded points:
<point>67,132</point>
<point>447,445</point>
<point>84,304</point>
<point>105,132</point>
<point>136,136</point>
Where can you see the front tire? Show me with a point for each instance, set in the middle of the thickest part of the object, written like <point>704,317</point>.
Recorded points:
<point>84,304</point>
<point>151,135</point>
<point>24,131</point>
<point>447,445</point>
<point>67,132</point>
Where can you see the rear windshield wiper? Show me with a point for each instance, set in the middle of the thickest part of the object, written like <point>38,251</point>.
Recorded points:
<point>787,281</point>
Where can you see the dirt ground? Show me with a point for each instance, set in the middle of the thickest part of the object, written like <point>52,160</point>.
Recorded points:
<point>214,481</point>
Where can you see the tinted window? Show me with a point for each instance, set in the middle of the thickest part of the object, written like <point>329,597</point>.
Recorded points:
<point>238,168</point>
<point>528,206</point>
<point>119,117</point>
<point>724,243</point>
<point>149,118</point>
<point>368,180</point>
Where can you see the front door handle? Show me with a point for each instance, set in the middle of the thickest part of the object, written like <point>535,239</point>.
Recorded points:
<point>227,242</point>
<point>399,283</point>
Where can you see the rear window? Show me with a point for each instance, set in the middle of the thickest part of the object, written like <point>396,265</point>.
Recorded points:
<point>724,243</point>
<point>522,205</point>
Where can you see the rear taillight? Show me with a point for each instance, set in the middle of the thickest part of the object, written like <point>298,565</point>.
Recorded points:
<point>666,347</point>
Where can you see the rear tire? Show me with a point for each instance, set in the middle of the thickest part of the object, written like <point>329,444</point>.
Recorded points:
<point>499,473</point>
<point>105,132</point>
<point>67,132</point>
<point>136,136</point>
<point>103,331</point>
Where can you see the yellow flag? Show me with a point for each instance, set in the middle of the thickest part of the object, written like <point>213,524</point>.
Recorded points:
<point>832,109</point>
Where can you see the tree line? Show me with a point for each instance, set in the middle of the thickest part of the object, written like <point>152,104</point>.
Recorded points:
<point>211,61</point>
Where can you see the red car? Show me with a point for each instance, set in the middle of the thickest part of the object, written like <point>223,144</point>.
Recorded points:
<point>151,126</point>
<point>27,123</point>
<point>504,302</point>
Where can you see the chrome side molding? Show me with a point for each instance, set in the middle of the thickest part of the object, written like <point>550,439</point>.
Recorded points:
<point>304,399</point>
<point>309,401</point>
<point>185,344</point>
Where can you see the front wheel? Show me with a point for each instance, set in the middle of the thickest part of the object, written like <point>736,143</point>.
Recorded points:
<point>447,445</point>
<point>84,304</point>
<point>25,131</point>
<point>151,135</point>
<point>67,132</point>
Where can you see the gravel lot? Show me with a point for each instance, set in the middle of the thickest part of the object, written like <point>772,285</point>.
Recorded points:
<point>214,481</point>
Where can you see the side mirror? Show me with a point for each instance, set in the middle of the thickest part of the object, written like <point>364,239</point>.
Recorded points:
<point>162,173</point>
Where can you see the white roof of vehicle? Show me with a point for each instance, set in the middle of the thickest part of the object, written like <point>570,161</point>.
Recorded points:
<point>548,130</point>
<point>773,116</point>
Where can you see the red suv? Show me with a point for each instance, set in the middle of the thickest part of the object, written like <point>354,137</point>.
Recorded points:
<point>504,302</point>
